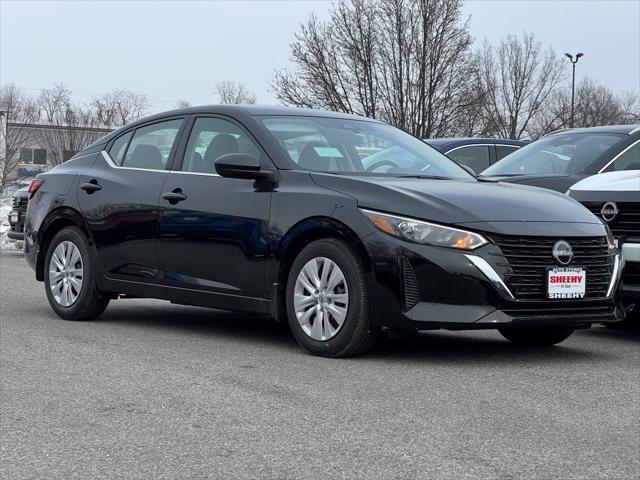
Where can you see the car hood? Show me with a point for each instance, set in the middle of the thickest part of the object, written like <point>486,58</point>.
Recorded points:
<point>458,202</point>
<point>626,181</point>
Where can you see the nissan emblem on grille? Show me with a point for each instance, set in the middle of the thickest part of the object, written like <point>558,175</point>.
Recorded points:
<point>562,252</point>
<point>609,211</point>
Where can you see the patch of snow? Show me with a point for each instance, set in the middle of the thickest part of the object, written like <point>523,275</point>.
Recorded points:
<point>5,208</point>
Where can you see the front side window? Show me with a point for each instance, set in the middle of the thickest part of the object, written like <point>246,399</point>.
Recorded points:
<point>150,146</point>
<point>628,160</point>
<point>562,153</point>
<point>358,147</point>
<point>211,138</point>
<point>475,157</point>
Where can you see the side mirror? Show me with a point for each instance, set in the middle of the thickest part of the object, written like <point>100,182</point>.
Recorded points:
<point>238,165</point>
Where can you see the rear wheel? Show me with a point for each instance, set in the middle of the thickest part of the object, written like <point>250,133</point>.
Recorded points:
<point>69,278</point>
<point>327,299</point>
<point>536,336</point>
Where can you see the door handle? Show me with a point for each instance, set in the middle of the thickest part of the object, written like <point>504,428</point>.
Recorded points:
<point>91,186</point>
<point>174,196</point>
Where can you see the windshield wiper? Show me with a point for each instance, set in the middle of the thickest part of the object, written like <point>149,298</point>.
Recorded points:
<point>429,177</point>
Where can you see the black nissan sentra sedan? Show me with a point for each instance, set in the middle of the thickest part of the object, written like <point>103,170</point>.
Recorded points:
<point>270,210</point>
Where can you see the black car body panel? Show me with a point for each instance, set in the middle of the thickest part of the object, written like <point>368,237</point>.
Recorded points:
<point>228,243</point>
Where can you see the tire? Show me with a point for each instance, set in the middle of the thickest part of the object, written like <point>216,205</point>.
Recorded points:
<point>329,338</point>
<point>536,337</point>
<point>84,301</point>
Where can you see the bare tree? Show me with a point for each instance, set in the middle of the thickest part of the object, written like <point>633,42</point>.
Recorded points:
<point>595,104</point>
<point>68,127</point>
<point>182,103</point>
<point>516,80</point>
<point>406,62</point>
<point>119,107</point>
<point>16,107</point>
<point>234,93</point>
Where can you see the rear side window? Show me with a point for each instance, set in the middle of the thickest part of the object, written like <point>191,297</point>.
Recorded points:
<point>119,147</point>
<point>504,150</point>
<point>629,160</point>
<point>151,145</point>
<point>211,138</point>
<point>475,157</point>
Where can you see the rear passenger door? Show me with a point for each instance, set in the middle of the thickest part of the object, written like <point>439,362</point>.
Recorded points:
<point>119,199</point>
<point>213,235</point>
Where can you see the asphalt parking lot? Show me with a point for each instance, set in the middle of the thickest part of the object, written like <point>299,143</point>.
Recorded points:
<point>154,390</point>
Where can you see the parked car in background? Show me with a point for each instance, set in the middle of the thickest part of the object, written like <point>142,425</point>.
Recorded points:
<point>272,210</point>
<point>615,198</point>
<point>18,213</point>
<point>562,159</point>
<point>475,153</point>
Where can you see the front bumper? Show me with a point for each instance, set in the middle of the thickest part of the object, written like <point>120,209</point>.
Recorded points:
<point>424,287</point>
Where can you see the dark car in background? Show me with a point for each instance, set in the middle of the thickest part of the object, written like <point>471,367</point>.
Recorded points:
<point>279,211</point>
<point>18,213</point>
<point>563,158</point>
<point>475,153</point>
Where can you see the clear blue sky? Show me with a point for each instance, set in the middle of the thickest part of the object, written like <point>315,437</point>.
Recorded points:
<point>172,50</point>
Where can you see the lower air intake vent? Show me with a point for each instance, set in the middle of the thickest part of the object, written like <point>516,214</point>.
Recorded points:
<point>410,291</point>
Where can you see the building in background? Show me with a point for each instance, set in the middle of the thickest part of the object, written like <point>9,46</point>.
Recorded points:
<point>42,146</point>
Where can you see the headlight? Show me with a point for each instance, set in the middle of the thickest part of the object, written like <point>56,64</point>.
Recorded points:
<point>424,232</point>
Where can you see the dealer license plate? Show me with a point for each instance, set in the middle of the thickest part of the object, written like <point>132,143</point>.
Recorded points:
<point>14,217</point>
<point>566,282</point>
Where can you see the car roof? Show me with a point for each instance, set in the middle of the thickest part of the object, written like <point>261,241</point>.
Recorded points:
<point>235,111</point>
<point>452,142</point>
<point>621,129</point>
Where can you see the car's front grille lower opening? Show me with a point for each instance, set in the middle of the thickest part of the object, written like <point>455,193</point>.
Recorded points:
<point>526,260</point>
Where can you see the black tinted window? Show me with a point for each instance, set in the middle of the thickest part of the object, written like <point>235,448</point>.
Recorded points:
<point>212,138</point>
<point>475,157</point>
<point>150,146</point>
<point>504,150</point>
<point>119,147</point>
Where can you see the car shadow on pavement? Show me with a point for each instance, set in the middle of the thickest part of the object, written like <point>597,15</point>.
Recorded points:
<point>470,348</point>
<point>202,321</point>
<point>623,334</point>
<point>434,346</point>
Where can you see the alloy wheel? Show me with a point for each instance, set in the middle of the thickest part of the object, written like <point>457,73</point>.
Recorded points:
<point>66,273</point>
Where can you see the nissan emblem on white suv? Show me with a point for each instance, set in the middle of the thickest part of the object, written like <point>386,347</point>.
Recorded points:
<point>609,211</point>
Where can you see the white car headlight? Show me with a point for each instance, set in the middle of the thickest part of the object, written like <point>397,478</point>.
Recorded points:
<point>419,231</point>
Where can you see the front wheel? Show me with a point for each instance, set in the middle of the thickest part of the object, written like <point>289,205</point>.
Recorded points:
<point>69,278</point>
<point>536,336</point>
<point>327,299</point>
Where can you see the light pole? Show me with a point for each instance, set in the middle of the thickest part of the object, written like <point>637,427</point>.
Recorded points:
<point>573,82</point>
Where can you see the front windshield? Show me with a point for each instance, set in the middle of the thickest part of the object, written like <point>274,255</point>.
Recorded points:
<point>563,153</point>
<point>345,146</point>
